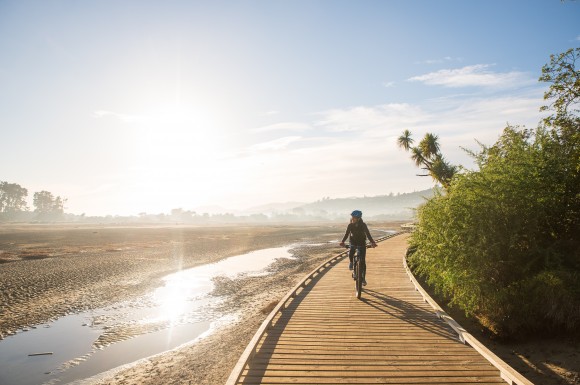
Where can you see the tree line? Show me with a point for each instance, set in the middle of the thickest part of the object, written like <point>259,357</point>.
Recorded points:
<point>502,242</point>
<point>13,204</point>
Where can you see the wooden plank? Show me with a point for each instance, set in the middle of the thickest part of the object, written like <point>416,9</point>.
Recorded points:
<point>429,361</point>
<point>370,380</point>
<point>342,373</point>
<point>366,366</point>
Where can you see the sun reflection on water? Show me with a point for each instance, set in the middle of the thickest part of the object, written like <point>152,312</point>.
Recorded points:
<point>171,300</point>
<point>175,300</point>
<point>184,294</point>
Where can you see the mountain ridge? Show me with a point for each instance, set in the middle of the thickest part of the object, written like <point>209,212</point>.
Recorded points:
<point>400,205</point>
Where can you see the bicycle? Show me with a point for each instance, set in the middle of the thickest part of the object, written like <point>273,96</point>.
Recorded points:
<point>357,273</point>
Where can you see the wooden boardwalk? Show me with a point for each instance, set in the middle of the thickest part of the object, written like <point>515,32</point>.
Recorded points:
<point>325,335</point>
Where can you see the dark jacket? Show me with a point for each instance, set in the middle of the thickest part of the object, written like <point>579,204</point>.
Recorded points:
<point>359,232</point>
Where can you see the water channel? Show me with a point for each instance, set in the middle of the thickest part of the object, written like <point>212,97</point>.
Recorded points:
<point>83,345</point>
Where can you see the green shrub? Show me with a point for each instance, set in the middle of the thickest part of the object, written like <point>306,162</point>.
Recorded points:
<point>502,242</point>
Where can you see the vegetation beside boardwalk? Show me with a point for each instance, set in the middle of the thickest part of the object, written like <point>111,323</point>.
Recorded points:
<point>502,242</point>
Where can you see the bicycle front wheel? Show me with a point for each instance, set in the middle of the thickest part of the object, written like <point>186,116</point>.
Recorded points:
<point>358,279</point>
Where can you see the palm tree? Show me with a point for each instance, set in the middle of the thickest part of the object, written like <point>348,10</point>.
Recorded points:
<point>430,145</point>
<point>405,141</point>
<point>427,155</point>
<point>442,171</point>
<point>418,157</point>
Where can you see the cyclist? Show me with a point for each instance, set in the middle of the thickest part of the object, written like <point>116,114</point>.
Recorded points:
<point>358,232</point>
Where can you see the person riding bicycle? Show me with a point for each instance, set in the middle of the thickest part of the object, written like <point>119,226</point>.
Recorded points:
<point>358,232</point>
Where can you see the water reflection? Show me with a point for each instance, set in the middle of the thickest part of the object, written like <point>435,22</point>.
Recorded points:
<point>172,299</point>
<point>178,297</point>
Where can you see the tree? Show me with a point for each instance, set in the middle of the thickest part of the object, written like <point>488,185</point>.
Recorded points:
<point>176,213</point>
<point>58,205</point>
<point>405,141</point>
<point>565,89</point>
<point>47,206</point>
<point>12,199</point>
<point>427,155</point>
<point>563,75</point>
<point>43,201</point>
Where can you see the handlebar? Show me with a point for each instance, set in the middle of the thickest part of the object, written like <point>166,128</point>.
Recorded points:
<point>368,246</point>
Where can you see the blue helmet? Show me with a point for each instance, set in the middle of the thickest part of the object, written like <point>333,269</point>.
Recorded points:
<point>356,214</point>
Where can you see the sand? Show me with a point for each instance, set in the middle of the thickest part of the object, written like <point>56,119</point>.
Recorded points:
<point>52,271</point>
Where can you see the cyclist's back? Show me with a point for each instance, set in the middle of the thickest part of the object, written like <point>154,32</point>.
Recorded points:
<point>358,232</point>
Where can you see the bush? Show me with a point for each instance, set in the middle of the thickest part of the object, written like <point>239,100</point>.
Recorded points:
<point>502,242</point>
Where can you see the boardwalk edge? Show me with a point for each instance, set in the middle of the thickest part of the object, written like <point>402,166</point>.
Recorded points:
<point>508,374</point>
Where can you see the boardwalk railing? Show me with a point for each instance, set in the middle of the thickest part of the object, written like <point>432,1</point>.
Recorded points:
<point>511,376</point>
<point>250,351</point>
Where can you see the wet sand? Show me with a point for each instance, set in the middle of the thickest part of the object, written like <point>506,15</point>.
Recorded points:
<point>47,272</point>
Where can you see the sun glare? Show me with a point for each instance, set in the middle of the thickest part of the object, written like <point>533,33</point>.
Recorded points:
<point>172,152</point>
<point>176,298</point>
<point>175,130</point>
<point>172,299</point>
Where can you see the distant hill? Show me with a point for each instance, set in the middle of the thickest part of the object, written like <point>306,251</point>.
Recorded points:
<point>390,206</point>
<point>387,207</point>
<point>272,207</point>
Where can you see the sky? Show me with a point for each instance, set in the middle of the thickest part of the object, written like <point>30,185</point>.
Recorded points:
<point>125,107</point>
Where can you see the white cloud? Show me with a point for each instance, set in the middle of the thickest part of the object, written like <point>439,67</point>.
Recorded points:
<point>359,144</point>
<point>369,119</point>
<point>276,144</point>
<point>388,84</point>
<point>442,60</point>
<point>321,166</point>
<point>475,75</point>
<point>458,121</point>
<point>283,126</point>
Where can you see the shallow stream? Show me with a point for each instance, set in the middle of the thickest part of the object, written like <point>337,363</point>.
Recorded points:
<point>83,345</point>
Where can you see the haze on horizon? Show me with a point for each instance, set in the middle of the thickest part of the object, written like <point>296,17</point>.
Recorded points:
<point>144,106</point>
